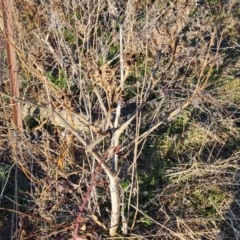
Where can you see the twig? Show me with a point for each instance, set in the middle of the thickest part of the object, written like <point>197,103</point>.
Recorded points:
<point>157,62</point>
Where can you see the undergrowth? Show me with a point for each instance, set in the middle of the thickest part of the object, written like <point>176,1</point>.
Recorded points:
<point>179,182</point>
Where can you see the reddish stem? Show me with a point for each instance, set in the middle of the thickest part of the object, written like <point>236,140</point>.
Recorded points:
<point>93,182</point>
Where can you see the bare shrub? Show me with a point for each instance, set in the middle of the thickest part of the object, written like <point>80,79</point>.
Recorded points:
<point>131,117</point>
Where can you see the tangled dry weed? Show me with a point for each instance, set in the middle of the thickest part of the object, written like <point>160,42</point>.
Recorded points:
<point>131,121</point>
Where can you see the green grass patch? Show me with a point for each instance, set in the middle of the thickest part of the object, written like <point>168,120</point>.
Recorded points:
<point>207,201</point>
<point>59,80</point>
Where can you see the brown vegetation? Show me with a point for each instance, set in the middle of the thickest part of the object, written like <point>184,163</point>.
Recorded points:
<point>131,121</point>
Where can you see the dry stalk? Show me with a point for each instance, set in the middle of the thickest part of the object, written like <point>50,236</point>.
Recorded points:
<point>12,63</point>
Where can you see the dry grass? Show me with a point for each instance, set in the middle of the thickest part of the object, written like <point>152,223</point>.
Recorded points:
<point>179,173</point>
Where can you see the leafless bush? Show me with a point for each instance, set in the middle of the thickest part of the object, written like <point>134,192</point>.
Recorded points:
<point>97,79</point>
